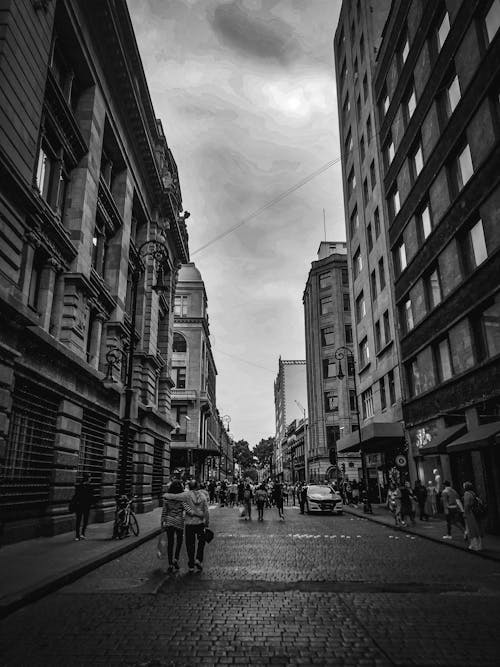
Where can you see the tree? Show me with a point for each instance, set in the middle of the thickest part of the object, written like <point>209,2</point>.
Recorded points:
<point>242,454</point>
<point>264,450</point>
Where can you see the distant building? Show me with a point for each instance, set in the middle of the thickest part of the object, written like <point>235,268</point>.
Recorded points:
<point>290,397</point>
<point>437,91</point>
<point>198,436</point>
<point>296,449</point>
<point>356,44</point>
<point>331,402</point>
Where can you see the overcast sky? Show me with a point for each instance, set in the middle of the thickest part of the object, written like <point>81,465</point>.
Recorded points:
<point>246,93</point>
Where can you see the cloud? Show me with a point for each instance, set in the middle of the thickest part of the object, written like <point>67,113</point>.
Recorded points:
<point>259,38</point>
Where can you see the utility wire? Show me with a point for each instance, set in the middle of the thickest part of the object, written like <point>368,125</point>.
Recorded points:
<point>242,360</point>
<point>270,203</point>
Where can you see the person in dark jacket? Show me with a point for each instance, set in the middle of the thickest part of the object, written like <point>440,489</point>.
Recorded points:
<point>81,503</point>
<point>302,497</point>
<point>420,493</point>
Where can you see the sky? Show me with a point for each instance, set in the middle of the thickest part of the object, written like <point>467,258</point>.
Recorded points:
<point>246,93</point>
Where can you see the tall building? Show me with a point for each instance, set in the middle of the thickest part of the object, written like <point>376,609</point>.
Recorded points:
<point>290,397</point>
<point>437,90</point>
<point>88,191</point>
<point>196,438</point>
<point>331,401</point>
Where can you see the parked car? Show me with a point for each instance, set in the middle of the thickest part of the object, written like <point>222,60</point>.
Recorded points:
<point>322,498</point>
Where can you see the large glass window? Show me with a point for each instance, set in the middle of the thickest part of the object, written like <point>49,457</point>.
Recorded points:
<point>407,316</point>
<point>444,360</point>
<point>327,336</point>
<point>373,285</point>
<point>179,343</point>
<point>443,30</point>
<point>452,95</point>
<point>434,289</point>
<point>410,103</point>
<point>478,243</point>
<point>329,368</point>
<point>354,221</point>
<point>367,399</point>
<point>325,280</point>
<point>401,257</point>
<point>346,300</point>
<point>462,356</point>
<point>425,221</point>
<point>331,401</point>
<point>492,20</point>
<point>348,334</point>
<point>463,167</point>
<point>364,352</point>
<point>357,263</point>
<point>179,376</point>
<point>326,305</point>
<point>387,327</point>
<point>181,304</point>
<point>376,222</point>
<point>417,161</point>
<point>490,319</point>
<point>360,307</point>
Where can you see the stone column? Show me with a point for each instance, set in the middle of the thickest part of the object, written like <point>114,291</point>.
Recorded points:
<point>143,470</point>
<point>46,291</point>
<point>106,507</point>
<point>95,339</point>
<point>57,307</point>
<point>32,243</point>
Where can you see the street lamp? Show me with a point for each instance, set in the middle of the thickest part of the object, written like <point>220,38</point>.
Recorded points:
<point>346,353</point>
<point>157,250</point>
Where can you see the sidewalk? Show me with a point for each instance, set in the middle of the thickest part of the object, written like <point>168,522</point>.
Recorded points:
<point>434,529</point>
<point>34,568</point>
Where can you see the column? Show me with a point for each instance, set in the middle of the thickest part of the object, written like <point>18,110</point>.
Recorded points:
<point>46,291</point>
<point>57,307</point>
<point>95,333</point>
<point>32,243</point>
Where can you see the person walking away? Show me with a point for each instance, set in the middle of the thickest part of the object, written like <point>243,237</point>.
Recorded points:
<point>211,490</point>
<point>394,503</point>
<point>420,493</point>
<point>355,493</point>
<point>303,497</point>
<point>406,504</point>
<point>172,521</point>
<point>247,501</point>
<point>241,492</point>
<point>452,508</point>
<point>278,499</point>
<point>233,492</point>
<point>81,503</point>
<point>431,500</point>
<point>196,520</point>
<point>472,519</point>
<point>223,493</point>
<point>261,500</point>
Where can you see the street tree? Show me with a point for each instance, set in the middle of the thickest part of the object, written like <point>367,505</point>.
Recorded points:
<point>242,454</point>
<point>264,450</point>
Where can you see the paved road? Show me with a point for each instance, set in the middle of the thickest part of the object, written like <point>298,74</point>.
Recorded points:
<point>313,590</point>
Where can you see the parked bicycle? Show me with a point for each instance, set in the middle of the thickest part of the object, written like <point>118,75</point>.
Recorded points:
<point>125,519</point>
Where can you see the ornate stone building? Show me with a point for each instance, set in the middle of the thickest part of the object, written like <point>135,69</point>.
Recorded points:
<point>91,237</point>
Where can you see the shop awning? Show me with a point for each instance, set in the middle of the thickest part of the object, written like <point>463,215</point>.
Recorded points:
<point>477,438</point>
<point>438,444</point>
<point>375,437</point>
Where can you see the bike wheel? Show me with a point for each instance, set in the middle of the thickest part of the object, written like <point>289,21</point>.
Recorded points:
<point>134,526</point>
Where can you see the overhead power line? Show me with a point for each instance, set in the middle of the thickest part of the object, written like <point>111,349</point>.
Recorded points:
<point>244,361</point>
<point>270,203</point>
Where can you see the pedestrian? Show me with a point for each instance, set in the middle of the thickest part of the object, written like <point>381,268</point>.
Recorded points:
<point>247,501</point>
<point>420,493</point>
<point>278,499</point>
<point>355,493</point>
<point>472,518</point>
<point>261,499</point>
<point>80,504</point>
<point>394,503</point>
<point>241,492</point>
<point>294,491</point>
<point>172,522</point>
<point>233,492</point>
<point>431,500</point>
<point>407,513</point>
<point>223,493</point>
<point>211,490</point>
<point>453,510</point>
<point>302,497</point>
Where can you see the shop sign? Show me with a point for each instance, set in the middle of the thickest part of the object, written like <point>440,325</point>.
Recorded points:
<point>373,460</point>
<point>422,438</point>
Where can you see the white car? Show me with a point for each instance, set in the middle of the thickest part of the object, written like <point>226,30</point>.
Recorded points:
<point>322,498</point>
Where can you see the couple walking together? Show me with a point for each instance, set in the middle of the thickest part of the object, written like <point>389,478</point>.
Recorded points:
<point>184,511</point>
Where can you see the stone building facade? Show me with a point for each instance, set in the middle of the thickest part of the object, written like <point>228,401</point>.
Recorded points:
<point>437,86</point>
<point>86,181</point>
<point>332,408</point>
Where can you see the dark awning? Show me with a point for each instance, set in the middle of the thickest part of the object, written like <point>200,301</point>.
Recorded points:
<point>438,444</point>
<point>477,438</point>
<point>375,437</point>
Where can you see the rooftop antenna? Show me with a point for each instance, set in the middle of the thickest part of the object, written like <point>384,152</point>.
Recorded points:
<point>324,224</point>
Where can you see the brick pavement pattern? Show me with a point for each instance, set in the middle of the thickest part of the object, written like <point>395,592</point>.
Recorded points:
<point>313,590</point>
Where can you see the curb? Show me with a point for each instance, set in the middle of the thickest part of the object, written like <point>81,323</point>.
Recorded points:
<point>447,543</point>
<point>19,600</point>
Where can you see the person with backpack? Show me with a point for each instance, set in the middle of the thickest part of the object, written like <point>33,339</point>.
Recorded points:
<point>474,511</point>
<point>261,498</point>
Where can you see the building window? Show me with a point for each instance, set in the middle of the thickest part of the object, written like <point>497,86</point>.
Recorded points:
<point>346,302</point>
<point>357,263</point>
<point>389,153</point>
<point>384,105</point>
<point>378,336</point>
<point>351,183</point>
<point>403,50</point>
<point>387,327</point>
<point>99,247</point>
<point>52,176</point>
<point>394,203</point>
<point>362,149</point>
<point>417,161</point>
<point>425,222</point>
<point>373,285</point>
<point>181,306</point>
<point>179,343</point>
<point>348,142</point>
<point>492,20</point>
<point>346,108</point>
<point>462,354</point>
<point>391,386</point>
<point>442,31</point>
<point>365,88</point>
<point>331,401</point>
<point>383,399</point>
<point>325,280</point>
<point>360,307</point>
<point>354,221</point>
<point>490,326</point>
<point>369,129</point>
<point>367,398</point>
<point>401,257</point>
<point>179,376</point>
<point>345,278</point>
<point>451,96</point>
<point>376,220</point>
<point>463,168</point>
<point>444,360</point>
<point>407,316</point>
<point>369,235</point>
<point>474,246</point>
<point>329,368</point>
<point>327,336</point>
<point>434,289</point>
<point>381,273</point>
<point>364,353</point>
<point>348,334</point>
<point>326,305</point>
<point>410,104</point>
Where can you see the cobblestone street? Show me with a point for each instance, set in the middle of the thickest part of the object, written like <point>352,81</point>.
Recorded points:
<point>312,590</point>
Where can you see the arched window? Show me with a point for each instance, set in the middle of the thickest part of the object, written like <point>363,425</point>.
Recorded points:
<point>179,343</point>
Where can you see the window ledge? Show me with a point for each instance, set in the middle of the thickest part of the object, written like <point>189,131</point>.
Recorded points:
<point>384,348</point>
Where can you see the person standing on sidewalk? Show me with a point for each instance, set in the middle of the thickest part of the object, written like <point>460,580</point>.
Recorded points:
<point>302,497</point>
<point>453,509</point>
<point>247,501</point>
<point>278,499</point>
<point>473,523</point>
<point>196,520</point>
<point>420,493</point>
<point>81,503</point>
<point>172,521</point>
<point>261,500</point>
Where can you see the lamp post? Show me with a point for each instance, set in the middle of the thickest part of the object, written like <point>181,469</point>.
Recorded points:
<point>346,353</point>
<point>157,250</point>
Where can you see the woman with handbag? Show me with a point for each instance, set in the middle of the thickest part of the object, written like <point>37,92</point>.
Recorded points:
<point>474,530</point>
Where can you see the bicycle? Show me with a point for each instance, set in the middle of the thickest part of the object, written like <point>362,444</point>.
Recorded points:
<point>125,519</point>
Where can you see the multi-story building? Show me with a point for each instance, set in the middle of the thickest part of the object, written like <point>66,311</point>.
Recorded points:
<point>357,40</point>
<point>290,396</point>
<point>88,188</point>
<point>332,408</point>
<point>297,434</point>
<point>194,373</point>
<point>437,87</point>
